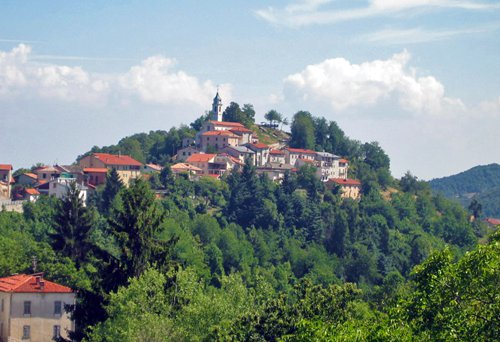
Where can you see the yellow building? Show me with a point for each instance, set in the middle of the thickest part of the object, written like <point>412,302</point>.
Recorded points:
<point>32,309</point>
<point>127,167</point>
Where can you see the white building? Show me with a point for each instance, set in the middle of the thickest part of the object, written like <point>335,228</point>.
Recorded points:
<point>33,309</point>
<point>59,187</point>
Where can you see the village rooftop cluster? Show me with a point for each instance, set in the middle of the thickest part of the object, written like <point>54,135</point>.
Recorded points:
<point>218,148</point>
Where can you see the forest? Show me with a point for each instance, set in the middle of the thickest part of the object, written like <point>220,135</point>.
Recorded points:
<point>247,259</point>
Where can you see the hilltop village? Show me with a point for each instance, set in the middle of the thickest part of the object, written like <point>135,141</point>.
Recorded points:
<point>218,148</point>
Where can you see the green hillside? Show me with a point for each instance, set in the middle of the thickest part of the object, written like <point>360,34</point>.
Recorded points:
<point>480,182</point>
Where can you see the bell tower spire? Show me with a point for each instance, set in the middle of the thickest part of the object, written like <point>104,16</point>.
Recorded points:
<point>217,107</point>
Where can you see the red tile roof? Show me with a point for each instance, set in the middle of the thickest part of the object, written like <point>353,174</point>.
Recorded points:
<point>226,123</point>
<point>24,283</point>
<point>492,221</point>
<point>200,157</point>
<point>214,133</point>
<point>112,159</point>
<point>30,175</point>
<point>260,146</point>
<point>276,152</point>
<point>6,167</point>
<point>345,161</point>
<point>95,170</point>
<point>31,191</point>
<point>342,181</point>
<point>300,150</point>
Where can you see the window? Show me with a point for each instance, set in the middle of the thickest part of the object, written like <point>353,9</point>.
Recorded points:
<point>57,307</point>
<point>26,331</point>
<point>27,308</point>
<point>57,331</point>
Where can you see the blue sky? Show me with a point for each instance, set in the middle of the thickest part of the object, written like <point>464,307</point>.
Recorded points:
<point>419,76</point>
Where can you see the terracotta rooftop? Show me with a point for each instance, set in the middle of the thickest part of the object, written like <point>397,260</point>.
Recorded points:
<point>31,191</point>
<point>342,181</point>
<point>113,159</point>
<point>227,123</point>
<point>32,283</point>
<point>345,161</point>
<point>200,157</point>
<point>300,150</point>
<point>30,175</point>
<point>492,221</point>
<point>6,167</point>
<point>276,152</point>
<point>260,145</point>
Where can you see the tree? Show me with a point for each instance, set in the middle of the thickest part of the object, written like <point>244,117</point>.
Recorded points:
<point>475,208</point>
<point>135,225</point>
<point>303,131</point>
<point>456,301</point>
<point>73,224</point>
<point>273,116</point>
<point>234,113</point>
<point>113,186</point>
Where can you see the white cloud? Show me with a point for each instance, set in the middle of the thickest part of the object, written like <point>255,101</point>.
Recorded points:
<point>20,77</point>
<point>343,84</point>
<point>419,35</point>
<point>154,81</point>
<point>310,12</point>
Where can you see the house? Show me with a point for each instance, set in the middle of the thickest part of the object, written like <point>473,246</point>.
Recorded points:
<point>240,152</point>
<point>5,181</point>
<point>261,153</point>
<point>213,164</point>
<point>30,195</point>
<point>184,168</point>
<point>34,309</point>
<point>328,166</point>
<point>127,167</point>
<point>201,161</point>
<point>186,152</point>
<point>151,168</point>
<point>277,156</point>
<point>245,134</point>
<point>59,187</point>
<point>343,168</point>
<point>95,175</point>
<point>351,188</point>
<point>292,154</point>
<point>47,173</point>
<point>275,171</point>
<point>217,140</point>
<point>27,178</point>
<point>213,125</point>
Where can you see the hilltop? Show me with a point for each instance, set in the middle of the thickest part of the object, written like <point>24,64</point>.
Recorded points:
<point>481,183</point>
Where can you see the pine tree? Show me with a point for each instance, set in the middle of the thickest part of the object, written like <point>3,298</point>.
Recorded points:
<point>73,224</point>
<point>136,224</point>
<point>113,186</point>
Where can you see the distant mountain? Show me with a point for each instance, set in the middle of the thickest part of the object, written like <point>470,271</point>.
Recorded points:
<point>480,182</point>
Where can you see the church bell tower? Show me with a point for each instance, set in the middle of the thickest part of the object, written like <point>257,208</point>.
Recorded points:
<point>217,108</point>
